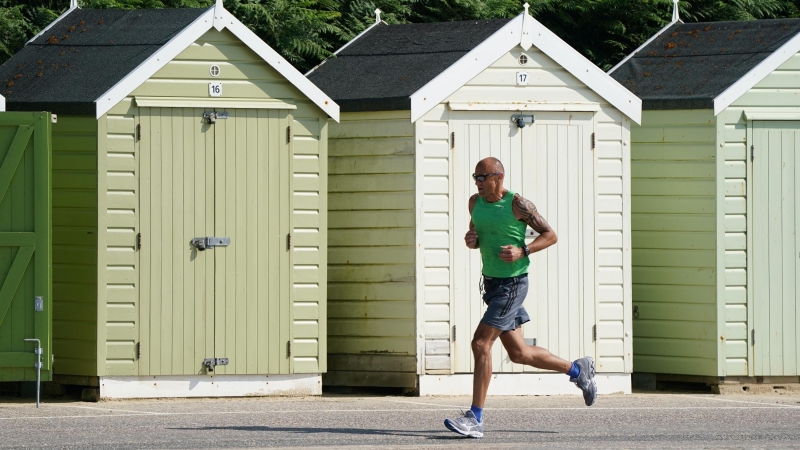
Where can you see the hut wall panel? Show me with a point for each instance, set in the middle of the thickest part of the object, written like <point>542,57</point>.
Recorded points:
<point>674,245</point>
<point>244,75</point>
<point>776,93</point>
<point>75,260</point>
<point>372,269</point>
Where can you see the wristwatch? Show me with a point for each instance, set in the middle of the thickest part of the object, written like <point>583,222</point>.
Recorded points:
<point>526,250</point>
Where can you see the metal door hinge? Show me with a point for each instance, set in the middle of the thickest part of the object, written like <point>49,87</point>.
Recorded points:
<point>753,338</point>
<point>288,134</point>
<point>454,333</point>
<point>288,349</point>
<point>453,139</point>
<point>594,333</point>
<point>289,241</point>
<point>138,350</point>
<point>752,153</point>
<point>138,132</point>
<point>138,241</point>
<point>593,141</point>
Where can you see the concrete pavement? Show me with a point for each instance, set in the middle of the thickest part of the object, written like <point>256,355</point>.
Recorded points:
<point>634,421</point>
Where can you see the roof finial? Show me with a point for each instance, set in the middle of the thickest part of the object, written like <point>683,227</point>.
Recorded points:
<point>526,5</point>
<point>73,4</point>
<point>675,13</point>
<point>378,16</point>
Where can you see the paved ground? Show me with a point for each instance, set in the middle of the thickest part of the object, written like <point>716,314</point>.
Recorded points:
<point>633,421</point>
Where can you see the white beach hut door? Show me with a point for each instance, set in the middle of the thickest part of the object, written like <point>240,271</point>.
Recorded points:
<point>776,249</point>
<point>231,179</point>
<point>551,163</point>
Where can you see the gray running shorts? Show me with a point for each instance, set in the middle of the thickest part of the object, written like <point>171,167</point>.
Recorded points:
<point>504,297</point>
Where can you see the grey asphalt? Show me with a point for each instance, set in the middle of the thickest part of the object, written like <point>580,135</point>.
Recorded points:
<point>655,420</point>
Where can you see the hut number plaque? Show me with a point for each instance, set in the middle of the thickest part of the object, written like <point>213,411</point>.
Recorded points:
<point>215,89</point>
<point>522,78</point>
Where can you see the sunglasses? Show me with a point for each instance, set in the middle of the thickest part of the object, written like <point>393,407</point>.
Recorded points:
<point>482,177</point>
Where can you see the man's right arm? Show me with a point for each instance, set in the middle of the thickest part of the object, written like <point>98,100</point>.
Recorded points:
<point>471,238</point>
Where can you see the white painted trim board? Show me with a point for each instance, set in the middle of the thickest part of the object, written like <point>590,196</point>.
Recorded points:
<point>185,386</point>
<point>2,103</point>
<point>522,384</point>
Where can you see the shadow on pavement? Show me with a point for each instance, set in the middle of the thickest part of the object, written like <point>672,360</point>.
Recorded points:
<point>432,434</point>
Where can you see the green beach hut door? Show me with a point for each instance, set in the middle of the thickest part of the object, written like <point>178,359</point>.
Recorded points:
<point>25,251</point>
<point>229,179</point>
<point>551,163</point>
<point>776,248</point>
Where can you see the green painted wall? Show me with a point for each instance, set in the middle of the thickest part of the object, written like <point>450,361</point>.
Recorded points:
<point>371,316</point>
<point>674,203</point>
<point>75,245</point>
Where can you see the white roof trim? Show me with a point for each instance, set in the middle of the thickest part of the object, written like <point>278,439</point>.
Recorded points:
<point>350,42</point>
<point>756,74</point>
<point>218,18</point>
<point>211,102</point>
<point>73,5</point>
<point>522,106</point>
<point>2,103</point>
<point>646,43</point>
<point>501,42</point>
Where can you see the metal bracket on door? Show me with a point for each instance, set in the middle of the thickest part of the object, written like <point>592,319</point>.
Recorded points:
<point>212,116</point>
<point>520,119</point>
<point>203,243</point>
<point>210,363</point>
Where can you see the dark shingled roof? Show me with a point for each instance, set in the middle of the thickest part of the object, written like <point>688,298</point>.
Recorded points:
<point>85,54</point>
<point>690,64</point>
<point>380,70</point>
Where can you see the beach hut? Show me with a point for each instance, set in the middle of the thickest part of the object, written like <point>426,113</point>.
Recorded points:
<point>188,203</point>
<point>715,207</point>
<point>422,103</point>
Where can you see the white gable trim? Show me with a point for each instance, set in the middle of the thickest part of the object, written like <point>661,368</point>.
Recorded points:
<point>756,74</point>
<point>349,42</point>
<point>72,7</point>
<point>500,43</point>
<point>647,42</point>
<point>2,103</point>
<point>218,18</point>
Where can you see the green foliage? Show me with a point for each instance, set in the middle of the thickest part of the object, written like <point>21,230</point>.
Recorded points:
<point>307,31</point>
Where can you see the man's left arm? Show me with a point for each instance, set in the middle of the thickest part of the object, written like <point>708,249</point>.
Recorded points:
<point>525,211</point>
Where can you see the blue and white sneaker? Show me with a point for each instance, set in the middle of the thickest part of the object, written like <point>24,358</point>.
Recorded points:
<point>585,380</point>
<point>466,425</point>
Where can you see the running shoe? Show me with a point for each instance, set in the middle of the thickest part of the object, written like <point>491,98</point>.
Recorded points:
<point>466,425</point>
<point>585,380</point>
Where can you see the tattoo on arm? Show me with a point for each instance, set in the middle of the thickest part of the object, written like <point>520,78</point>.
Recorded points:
<point>530,215</point>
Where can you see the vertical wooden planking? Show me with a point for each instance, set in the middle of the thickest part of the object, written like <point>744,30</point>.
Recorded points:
<point>262,246</point>
<point>192,152</point>
<point>275,248</point>
<point>542,202</point>
<point>157,243</point>
<point>760,250</point>
<point>589,234</point>
<point>177,213</point>
<point>287,269</point>
<point>797,252</point>
<point>525,159</point>
<point>775,260</point>
<point>207,184</point>
<point>221,228</point>
<point>788,150</point>
<point>242,283</point>
<point>574,134</point>
<point>145,227</point>
<point>254,230</point>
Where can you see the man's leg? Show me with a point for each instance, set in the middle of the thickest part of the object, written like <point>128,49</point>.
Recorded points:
<point>521,353</point>
<point>582,374</point>
<point>482,343</point>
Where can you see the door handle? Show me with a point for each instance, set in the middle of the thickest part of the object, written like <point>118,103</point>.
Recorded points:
<point>208,242</point>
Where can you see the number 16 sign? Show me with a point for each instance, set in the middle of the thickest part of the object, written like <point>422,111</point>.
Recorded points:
<point>215,89</point>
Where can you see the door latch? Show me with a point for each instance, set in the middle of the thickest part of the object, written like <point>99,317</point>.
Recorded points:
<point>520,119</point>
<point>212,116</point>
<point>210,363</point>
<point>208,242</point>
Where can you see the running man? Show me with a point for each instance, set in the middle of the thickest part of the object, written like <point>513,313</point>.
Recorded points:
<point>497,228</point>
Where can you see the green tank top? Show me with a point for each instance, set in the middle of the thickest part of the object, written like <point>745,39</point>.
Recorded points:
<point>496,227</point>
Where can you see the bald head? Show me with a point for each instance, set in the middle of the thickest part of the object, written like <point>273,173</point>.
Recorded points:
<point>490,164</point>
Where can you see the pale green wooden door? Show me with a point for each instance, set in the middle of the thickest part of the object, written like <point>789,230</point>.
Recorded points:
<point>228,179</point>
<point>25,244</point>
<point>776,180</point>
<point>550,163</point>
